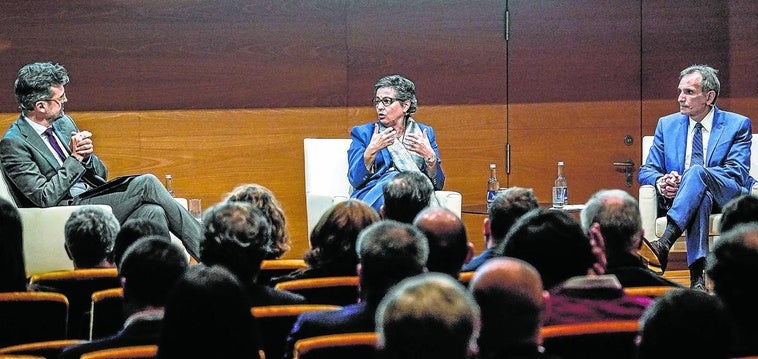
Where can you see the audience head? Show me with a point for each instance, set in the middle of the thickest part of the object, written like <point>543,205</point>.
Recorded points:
<point>618,215</point>
<point>448,243</point>
<point>263,199</point>
<point>552,242</point>
<point>743,209</point>
<point>208,316</point>
<point>333,238</point>
<point>510,295</point>
<point>34,81</point>
<point>12,269</point>
<point>405,195</point>
<point>236,237</point>
<point>427,316</point>
<point>90,233</point>
<point>150,268</point>
<point>685,323</point>
<point>505,209</point>
<point>388,252</point>
<point>404,88</point>
<point>131,231</point>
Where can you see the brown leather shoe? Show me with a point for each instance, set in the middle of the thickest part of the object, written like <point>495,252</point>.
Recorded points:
<point>656,253</point>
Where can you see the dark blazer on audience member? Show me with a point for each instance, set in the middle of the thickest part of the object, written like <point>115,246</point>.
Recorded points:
<point>631,272</point>
<point>350,319</point>
<point>261,295</point>
<point>138,332</point>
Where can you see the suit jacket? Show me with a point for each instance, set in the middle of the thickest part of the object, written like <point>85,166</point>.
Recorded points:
<point>362,180</point>
<point>350,319</point>
<point>727,157</point>
<point>139,332</point>
<point>35,177</point>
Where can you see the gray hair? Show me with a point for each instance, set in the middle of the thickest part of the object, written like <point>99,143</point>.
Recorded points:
<point>34,82</point>
<point>710,77</point>
<point>405,89</point>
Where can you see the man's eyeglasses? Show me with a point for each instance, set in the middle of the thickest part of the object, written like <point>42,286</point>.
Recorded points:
<point>60,99</point>
<point>386,101</point>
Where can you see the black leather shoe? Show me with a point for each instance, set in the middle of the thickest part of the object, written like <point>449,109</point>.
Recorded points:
<point>698,284</point>
<point>661,252</point>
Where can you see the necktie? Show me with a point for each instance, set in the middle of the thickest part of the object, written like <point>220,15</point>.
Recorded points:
<point>697,146</point>
<point>51,138</point>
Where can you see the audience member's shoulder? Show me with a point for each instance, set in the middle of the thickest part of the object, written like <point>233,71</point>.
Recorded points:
<point>264,295</point>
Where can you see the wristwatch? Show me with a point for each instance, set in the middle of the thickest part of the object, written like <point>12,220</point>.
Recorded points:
<point>430,160</point>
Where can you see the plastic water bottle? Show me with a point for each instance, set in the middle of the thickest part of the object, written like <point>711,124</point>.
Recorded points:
<point>169,185</point>
<point>560,189</point>
<point>493,185</point>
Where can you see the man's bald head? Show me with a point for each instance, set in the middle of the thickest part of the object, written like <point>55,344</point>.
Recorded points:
<point>448,243</point>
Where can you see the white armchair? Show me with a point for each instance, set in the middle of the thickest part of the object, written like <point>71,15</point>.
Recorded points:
<point>326,178</point>
<point>654,225</point>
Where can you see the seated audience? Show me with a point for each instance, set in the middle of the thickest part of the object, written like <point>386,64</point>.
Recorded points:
<point>501,214</point>
<point>208,316</point>
<point>732,267</point>
<point>150,267</point>
<point>555,245</point>
<point>237,236</point>
<point>449,247</point>
<point>262,198</point>
<point>133,230</point>
<point>405,195</point>
<point>12,268</point>
<point>388,252</point>
<point>510,295</point>
<point>685,324</point>
<point>616,215</point>
<point>332,242</point>
<point>427,316</point>
<point>89,235</point>
<point>743,209</point>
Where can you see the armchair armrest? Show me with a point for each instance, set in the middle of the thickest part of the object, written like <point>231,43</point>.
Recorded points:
<point>450,200</point>
<point>648,203</point>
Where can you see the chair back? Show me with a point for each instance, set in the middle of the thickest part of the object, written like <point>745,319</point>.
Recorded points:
<point>78,286</point>
<point>276,322</point>
<point>132,352</point>
<point>46,349</point>
<point>271,268</point>
<point>106,316</point>
<point>337,346</point>
<point>326,166</point>
<point>5,191</point>
<point>652,291</point>
<point>606,339</point>
<point>341,290</point>
<point>27,317</point>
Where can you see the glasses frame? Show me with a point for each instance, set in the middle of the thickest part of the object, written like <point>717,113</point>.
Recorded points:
<point>60,99</point>
<point>386,101</point>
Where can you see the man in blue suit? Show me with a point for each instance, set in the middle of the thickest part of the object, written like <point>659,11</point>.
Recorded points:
<point>699,160</point>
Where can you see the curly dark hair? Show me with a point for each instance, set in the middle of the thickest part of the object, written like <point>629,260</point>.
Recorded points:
<point>263,199</point>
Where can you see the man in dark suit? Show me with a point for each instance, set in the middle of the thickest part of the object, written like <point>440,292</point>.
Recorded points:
<point>50,162</point>
<point>700,159</point>
<point>615,214</point>
<point>388,251</point>
<point>149,270</point>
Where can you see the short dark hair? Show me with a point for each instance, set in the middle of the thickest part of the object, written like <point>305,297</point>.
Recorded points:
<point>12,268</point>
<point>389,251</point>
<point>150,268</point>
<point>448,242</point>
<point>743,209</point>
<point>90,233</point>
<point>34,82</point>
<point>404,88</point>
<point>237,237</point>
<point>405,195</point>
<point>732,265</point>
<point>685,315</point>
<point>507,207</point>
<point>552,242</point>
<point>132,230</point>
<point>620,223</point>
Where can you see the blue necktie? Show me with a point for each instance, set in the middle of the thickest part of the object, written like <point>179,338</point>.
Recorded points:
<point>697,146</point>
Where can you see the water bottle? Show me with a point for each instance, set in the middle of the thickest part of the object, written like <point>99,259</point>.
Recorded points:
<point>492,184</point>
<point>169,185</point>
<point>560,189</point>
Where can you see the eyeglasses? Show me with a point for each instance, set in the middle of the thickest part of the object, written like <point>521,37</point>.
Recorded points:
<point>386,101</point>
<point>60,99</point>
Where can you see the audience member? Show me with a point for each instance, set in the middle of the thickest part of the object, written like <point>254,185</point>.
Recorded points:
<point>449,247</point>
<point>685,324</point>
<point>732,268</point>
<point>501,214</point>
<point>89,233</point>
<point>262,198</point>
<point>237,236</point>
<point>427,316</point>
<point>616,215</point>
<point>208,316</point>
<point>555,245</point>
<point>12,268</point>
<point>405,195</point>
<point>133,230</point>
<point>150,268</point>
<point>388,252</point>
<point>332,242</point>
<point>513,303</point>
<point>743,209</point>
